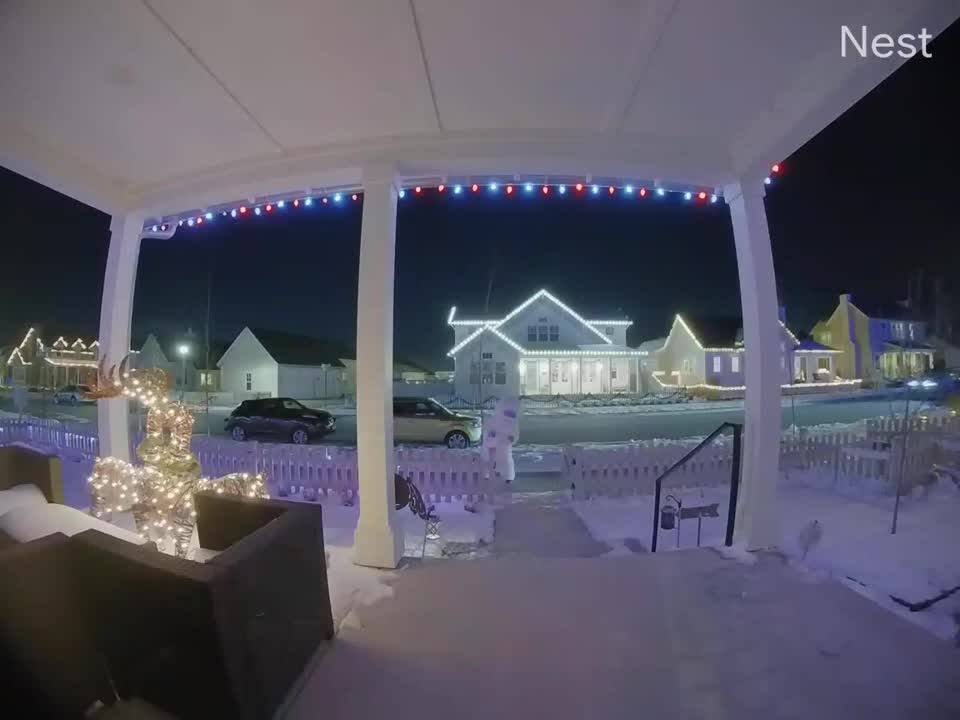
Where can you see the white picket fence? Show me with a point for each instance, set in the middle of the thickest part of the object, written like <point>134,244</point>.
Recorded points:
<point>441,474</point>
<point>633,469</point>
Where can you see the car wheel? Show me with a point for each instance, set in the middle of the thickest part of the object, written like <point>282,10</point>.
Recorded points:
<point>238,433</point>
<point>300,437</point>
<point>457,439</point>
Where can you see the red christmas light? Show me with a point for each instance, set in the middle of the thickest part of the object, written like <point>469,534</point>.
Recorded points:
<point>579,187</point>
<point>199,221</point>
<point>509,189</point>
<point>243,209</point>
<point>475,187</point>
<point>701,195</point>
<point>643,192</point>
<point>441,187</point>
<point>269,207</point>
<point>296,203</point>
<point>775,168</point>
<point>611,189</point>
<point>545,189</point>
<point>418,189</point>
<point>353,197</point>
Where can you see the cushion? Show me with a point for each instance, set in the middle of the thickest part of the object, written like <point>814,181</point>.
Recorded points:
<point>29,522</point>
<point>18,495</point>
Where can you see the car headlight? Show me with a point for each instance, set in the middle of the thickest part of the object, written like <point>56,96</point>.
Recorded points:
<point>914,383</point>
<point>929,383</point>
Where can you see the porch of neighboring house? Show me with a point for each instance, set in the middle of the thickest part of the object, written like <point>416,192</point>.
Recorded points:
<point>905,360</point>
<point>579,375</point>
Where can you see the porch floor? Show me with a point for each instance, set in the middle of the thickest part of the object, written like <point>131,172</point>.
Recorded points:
<point>680,634</point>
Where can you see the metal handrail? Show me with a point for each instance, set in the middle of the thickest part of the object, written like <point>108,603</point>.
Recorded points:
<point>734,480</point>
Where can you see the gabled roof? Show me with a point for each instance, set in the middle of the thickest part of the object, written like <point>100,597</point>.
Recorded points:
<point>720,332</point>
<point>294,349</point>
<point>811,345</point>
<point>714,331</point>
<point>882,308</point>
<point>544,294</point>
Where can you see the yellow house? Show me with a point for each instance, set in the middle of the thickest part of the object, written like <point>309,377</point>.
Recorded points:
<point>889,343</point>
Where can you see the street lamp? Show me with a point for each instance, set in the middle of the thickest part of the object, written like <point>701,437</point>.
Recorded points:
<point>183,350</point>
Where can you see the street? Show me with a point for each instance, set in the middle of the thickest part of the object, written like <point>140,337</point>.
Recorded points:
<point>558,429</point>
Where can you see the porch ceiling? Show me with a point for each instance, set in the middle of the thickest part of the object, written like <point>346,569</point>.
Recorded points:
<point>157,103</point>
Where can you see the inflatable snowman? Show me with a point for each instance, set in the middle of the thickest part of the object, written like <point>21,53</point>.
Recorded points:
<point>500,433</point>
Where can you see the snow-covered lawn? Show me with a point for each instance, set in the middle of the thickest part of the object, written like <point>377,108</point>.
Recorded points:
<point>856,547</point>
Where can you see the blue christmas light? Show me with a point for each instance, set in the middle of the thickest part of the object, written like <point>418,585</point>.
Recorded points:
<point>256,211</point>
<point>687,195</point>
<point>190,222</point>
<point>661,192</point>
<point>208,216</point>
<point>402,193</point>
<point>337,198</point>
<point>628,189</point>
<point>493,187</point>
<point>308,202</point>
<point>457,189</point>
<point>233,213</point>
<point>528,187</point>
<point>595,190</point>
<point>562,189</point>
<point>767,181</point>
<point>280,203</point>
<point>713,198</point>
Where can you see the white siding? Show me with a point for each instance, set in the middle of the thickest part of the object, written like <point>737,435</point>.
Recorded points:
<point>681,346</point>
<point>501,353</point>
<point>572,331</point>
<point>247,355</point>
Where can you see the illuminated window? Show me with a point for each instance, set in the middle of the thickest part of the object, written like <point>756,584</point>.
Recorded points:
<point>735,363</point>
<point>687,365</point>
<point>823,363</point>
<point>249,381</point>
<point>717,363</point>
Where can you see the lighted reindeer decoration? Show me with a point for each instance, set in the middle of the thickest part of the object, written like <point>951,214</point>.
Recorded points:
<point>160,491</point>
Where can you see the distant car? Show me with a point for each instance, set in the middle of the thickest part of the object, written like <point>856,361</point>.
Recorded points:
<point>73,394</point>
<point>280,417</point>
<point>944,381</point>
<point>419,419</point>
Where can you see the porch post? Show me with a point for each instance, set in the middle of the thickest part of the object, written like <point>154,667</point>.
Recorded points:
<point>757,525</point>
<point>378,541</point>
<point>116,314</point>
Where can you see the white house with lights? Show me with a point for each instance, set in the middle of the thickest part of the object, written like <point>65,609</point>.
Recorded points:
<point>708,353</point>
<point>542,347</point>
<point>68,359</point>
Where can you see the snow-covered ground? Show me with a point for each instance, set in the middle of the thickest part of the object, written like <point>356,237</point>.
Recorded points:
<point>856,547</point>
<point>352,585</point>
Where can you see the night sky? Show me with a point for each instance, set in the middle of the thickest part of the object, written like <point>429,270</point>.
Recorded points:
<point>861,208</point>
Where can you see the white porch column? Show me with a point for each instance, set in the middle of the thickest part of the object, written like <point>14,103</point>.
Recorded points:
<point>378,541</point>
<point>116,314</point>
<point>757,525</point>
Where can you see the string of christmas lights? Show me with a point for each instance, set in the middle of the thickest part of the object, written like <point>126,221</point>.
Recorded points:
<point>466,189</point>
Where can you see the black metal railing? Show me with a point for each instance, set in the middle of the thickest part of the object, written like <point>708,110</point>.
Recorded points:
<point>734,480</point>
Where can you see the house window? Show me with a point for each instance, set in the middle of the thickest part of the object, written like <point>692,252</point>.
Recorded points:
<point>542,333</point>
<point>206,379</point>
<point>474,372</point>
<point>531,333</point>
<point>500,374</point>
<point>487,369</point>
<point>735,363</point>
<point>608,331</point>
<point>249,382</point>
<point>687,365</point>
<point>910,330</point>
<point>613,370</point>
<point>554,333</point>
<point>823,363</point>
<point>827,338</point>
<point>716,363</point>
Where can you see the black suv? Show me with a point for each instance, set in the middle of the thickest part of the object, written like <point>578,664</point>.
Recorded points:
<point>283,417</point>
